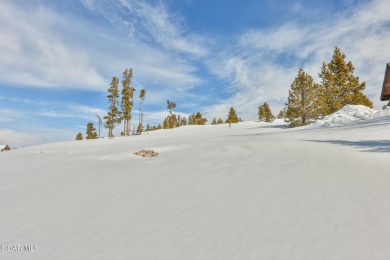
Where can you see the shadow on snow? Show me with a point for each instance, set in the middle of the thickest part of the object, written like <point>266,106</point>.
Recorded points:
<point>374,146</point>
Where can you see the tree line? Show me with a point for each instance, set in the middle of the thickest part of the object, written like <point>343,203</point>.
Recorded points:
<point>308,101</point>
<point>119,111</point>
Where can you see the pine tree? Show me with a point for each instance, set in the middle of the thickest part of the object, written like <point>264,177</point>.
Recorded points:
<point>113,116</point>
<point>79,136</point>
<point>178,121</point>
<point>302,107</point>
<point>197,119</point>
<point>339,87</point>
<point>214,121</point>
<point>282,114</point>
<point>141,113</point>
<point>171,118</point>
<point>232,116</point>
<point>171,121</point>
<point>261,113</point>
<point>127,100</point>
<point>91,134</point>
<point>165,124</point>
<point>220,121</point>
<point>265,113</point>
<point>171,106</point>
<point>183,121</point>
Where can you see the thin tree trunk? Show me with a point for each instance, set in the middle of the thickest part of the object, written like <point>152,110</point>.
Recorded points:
<point>140,117</point>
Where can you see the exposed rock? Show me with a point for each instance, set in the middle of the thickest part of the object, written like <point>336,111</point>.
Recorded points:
<point>146,153</point>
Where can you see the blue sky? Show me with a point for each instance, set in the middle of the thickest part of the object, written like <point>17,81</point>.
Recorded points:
<point>57,58</point>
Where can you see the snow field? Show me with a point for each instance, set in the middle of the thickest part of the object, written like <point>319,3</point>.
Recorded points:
<point>253,191</point>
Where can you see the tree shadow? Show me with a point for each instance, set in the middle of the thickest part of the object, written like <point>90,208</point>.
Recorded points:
<point>373,146</point>
<point>269,127</point>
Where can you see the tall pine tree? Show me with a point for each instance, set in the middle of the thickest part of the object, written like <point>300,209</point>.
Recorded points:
<point>127,100</point>
<point>302,107</point>
<point>91,134</point>
<point>141,113</point>
<point>232,116</point>
<point>113,116</point>
<point>339,87</point>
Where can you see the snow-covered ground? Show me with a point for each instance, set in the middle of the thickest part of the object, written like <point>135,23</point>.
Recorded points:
<point>253,191</point>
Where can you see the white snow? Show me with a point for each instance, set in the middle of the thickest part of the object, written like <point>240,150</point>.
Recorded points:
<point>253,191</point>
<point>351,114</point>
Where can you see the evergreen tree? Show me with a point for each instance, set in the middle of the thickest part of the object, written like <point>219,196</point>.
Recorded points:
<point>172,121</point>
<point>197,119</point>
<point>261,113</point>
<point>171,106</point>
<point>148,127</point>
<point>282,114</point>
<point>183,121</point>
<point>339,87</point>
<point>232,116</point>
<point>91,134</point>
<point>214,121</point>
<point>113,116</point>
<point>165,124</point>
<point>220,121</point>
<point>141,113</point>
<point>265,113</point>
<point>302,107</point>
<point>127,100</point>
<point>178,121</point>
<point>79,136</point>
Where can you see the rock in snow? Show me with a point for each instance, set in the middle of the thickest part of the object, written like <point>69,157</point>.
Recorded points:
<point>146,153</point>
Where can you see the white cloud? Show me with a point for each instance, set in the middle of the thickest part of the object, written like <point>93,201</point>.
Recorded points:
<point>88,110</point>
<point>35,53</point>
<point>17,139</point>
<point>9,115</point>
<point>146,21</point>
<point>40,47</point>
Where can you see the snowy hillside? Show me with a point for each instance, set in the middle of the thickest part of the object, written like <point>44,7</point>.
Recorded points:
<point>253,191</point>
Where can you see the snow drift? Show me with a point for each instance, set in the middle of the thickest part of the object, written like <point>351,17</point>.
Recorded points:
<point>350,114</point>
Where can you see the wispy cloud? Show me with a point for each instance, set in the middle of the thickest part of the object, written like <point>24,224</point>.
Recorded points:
<point>34,53</point>
<point>16,138</point>
<point>9,115</point>
<point>41,47</point>
<point>262,64</point>
<point>150,22</point>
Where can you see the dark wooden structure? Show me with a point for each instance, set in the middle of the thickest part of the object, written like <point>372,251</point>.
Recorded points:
<point>386,85</point>
<point>4,148</point>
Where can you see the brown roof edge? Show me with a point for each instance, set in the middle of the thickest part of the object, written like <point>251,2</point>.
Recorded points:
<point>385,80</point>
